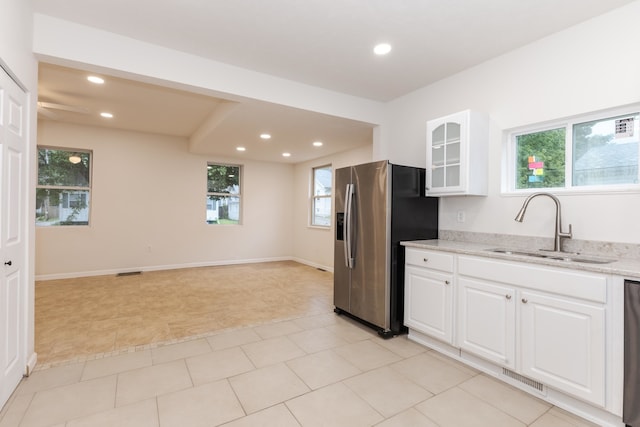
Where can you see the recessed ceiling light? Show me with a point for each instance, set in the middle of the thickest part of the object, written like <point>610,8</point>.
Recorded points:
<point>265,136</point>
<point>382,49</point>
<point>286,154</point>
<point>95,79</point>
<point>106,115</point>
<point>241,149</point>
<point>317,144</point>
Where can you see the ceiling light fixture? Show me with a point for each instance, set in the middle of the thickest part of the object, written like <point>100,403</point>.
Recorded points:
<point>106,115</point>
<point>241,149</point>
<point>75,158</point>
<point>286,154</point>
<point>265,136</point>
<point>95,79</point>
<point>382,49</point>
<point>317,144</point>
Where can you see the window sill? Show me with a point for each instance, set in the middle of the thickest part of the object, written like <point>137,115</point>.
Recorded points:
<point>627,189</point>
<point>320,227</point>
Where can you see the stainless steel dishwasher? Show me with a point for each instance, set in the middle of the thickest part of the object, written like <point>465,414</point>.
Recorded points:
<point>631,405</point>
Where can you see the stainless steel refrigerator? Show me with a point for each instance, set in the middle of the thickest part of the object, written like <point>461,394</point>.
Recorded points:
<point>377,205</point>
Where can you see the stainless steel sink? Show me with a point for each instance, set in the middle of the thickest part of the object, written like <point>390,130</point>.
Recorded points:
<point>583,259</point>
<point>517,252</point>
<point>558,256</point>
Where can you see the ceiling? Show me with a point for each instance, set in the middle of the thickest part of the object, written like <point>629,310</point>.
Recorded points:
<point>143,107</point>
<point>324,43</point>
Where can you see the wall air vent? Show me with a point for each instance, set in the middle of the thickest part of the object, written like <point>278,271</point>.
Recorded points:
<point>624,127</point>
<point>524,380</point>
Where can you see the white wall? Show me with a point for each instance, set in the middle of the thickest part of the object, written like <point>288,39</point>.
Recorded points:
<point>589,67</point>
<point>314,245</point>
<point>56,41</point>
<point>149,191</point>
<point>574,71</point>
<point>16,36</point>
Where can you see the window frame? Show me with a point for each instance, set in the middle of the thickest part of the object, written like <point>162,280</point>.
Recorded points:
<point>313,197</point>
<point>88,189</point>
<point>237,195</point>
<point>509,158</point>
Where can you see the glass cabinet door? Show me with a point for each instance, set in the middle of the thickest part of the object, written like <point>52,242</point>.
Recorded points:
<point>457,154</point>
<point>445,155</point>
<point>437,156</point>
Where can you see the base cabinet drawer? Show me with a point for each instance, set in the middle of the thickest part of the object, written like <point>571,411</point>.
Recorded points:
<point>429,259</point>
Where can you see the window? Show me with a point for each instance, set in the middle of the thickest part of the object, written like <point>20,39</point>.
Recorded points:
<point>541,159</point>
<point>588,152</point>
<point>321,199</point>
<point>64,187</point>
<point>223,194</point>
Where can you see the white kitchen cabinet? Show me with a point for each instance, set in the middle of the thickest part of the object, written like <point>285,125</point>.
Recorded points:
<point>457,154</point>
<point>486,320</point>
<point>545,323</point>
<point>563,345</point>
<point>553,331</point>
<point>428,298</point>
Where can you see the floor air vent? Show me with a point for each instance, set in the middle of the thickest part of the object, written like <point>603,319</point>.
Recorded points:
<point>524,380</point>
<point>128,273</point>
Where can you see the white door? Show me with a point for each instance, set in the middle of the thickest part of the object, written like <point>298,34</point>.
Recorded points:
<point>13,143</point>
<point>563,344</point>
<point>428,303</point>
<point>486,321</point>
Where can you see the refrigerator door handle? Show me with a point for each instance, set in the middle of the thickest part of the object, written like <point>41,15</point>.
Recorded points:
<point>348,215</point>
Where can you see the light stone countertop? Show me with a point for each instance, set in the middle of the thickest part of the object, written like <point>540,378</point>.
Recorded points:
<point>627,268</point>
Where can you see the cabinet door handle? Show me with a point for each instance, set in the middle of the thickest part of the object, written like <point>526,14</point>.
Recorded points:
<point>446,282</point>
<point>425,259</point>
<point>7,263</point>
<point>524,300</point>
<point>508,296</point>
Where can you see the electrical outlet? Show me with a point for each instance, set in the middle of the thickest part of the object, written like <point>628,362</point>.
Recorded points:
<point>461,216</point>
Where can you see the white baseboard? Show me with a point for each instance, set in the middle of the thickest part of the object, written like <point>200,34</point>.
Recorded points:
<point>73,275</point>
<point>31,364</point>
<point>313,264</point>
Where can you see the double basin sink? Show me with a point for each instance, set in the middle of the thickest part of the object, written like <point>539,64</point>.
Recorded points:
<point>553,255</point>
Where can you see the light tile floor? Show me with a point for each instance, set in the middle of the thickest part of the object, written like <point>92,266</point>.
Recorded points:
<point>318,369</point>
<point>277,375</point>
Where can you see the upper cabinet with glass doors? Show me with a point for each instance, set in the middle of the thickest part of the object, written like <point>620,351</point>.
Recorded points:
<point>457,154</point>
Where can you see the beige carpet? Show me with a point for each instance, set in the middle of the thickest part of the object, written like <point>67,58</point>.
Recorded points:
<point>76,318</point>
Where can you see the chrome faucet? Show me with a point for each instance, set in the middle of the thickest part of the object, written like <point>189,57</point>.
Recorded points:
<point>557,243</point>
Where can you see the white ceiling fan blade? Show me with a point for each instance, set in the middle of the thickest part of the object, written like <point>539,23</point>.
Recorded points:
<point>46,113</point>
<point>63,107</point>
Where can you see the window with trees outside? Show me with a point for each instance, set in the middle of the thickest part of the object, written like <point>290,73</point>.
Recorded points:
<point>223,194</point>
<point>63,192</point>
<point>593,152</point>
<point>321,199</point>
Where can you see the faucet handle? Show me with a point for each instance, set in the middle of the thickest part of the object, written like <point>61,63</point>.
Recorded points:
<point>568,235</point>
